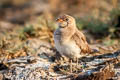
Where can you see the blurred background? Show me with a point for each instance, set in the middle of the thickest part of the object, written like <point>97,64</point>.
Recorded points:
<point>21,21</point>
<point>27,48</point>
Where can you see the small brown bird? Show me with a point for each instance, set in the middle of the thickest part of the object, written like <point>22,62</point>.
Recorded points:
<point>69,41</point>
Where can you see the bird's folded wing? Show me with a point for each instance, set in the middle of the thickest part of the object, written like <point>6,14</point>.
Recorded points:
<point>80,40</point>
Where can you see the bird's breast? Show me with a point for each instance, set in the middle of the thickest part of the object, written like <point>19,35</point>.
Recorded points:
<point>67,48</point>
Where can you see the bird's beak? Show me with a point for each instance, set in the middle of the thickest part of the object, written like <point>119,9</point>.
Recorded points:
<point>59,20</point>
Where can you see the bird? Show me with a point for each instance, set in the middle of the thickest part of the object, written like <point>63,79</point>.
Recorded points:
<point>69,41</point>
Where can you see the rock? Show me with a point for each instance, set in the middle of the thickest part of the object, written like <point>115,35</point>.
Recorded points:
<point>97,67</point>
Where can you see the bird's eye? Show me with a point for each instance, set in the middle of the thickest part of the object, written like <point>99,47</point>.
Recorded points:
<point>66,19</point>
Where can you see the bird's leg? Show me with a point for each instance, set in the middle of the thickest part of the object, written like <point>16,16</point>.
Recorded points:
<point>83,65</point>
<point>76,64</point>
<point>71,65</point>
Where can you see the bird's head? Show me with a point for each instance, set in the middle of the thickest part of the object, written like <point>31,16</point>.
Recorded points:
<point>65,21</point>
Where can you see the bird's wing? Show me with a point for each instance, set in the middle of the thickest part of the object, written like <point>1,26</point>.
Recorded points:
<point>80,40</point>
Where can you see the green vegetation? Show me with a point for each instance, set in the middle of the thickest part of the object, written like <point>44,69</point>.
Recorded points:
<point>101,29</point>
<point>94,26</point>
<point>27,32</point>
